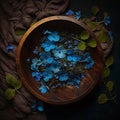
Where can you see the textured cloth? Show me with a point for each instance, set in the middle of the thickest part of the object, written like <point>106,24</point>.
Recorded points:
<point>19,14</point>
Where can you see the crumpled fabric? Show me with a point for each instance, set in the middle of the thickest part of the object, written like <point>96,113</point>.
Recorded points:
<point>20,14</point>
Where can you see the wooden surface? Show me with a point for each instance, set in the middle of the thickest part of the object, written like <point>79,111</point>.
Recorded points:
<point>32,38</point>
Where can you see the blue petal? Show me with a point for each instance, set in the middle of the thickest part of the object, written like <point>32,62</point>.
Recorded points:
<point>40,108</point>
<point>9,48</point>
<point>50,60</point>
<point>43,89</point>
<point>54,37</point>
<point>69,12</point>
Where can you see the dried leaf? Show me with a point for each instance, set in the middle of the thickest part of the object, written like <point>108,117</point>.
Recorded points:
<point>11,80</point>
<point>102,36</point>
<point>20,32</point>
<point>18,84</point>
<point>92,25</point>
<point>9,93</point>
<point>109,61</point>
<point>102,98</point>
<point>106,72</point>
<point>95,10</point>
<point>82,46</point>
<point>84,35</point>
<point>110,85</point>
<point>91,43</point>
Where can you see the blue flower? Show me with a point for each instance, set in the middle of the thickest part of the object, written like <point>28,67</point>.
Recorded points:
<point>54,37</point>
<point>48,45</point>
<point>77,15</point>
<point>34,67</point>
<point>55,67</point>
<point>107,20</point>
<point>43,88</point>
<point>37,75</point>
<point>49,60</point>
<point>59,52</point>
<point>35,51</point>
<point>46,58</point>
<point>69,12</point>
<point>74,58</point>
<point>47,74</point>
<point>40,108</point>
<point>37,61</point>
<point>89,65</point>
<point>9,48</point>
<point>47,32</point>
<point>63,77</point>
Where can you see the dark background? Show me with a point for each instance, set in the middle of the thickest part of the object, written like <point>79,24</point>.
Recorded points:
<point>88,108</point>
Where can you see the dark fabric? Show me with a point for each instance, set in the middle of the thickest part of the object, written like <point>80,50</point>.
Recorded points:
<point>19,14</point>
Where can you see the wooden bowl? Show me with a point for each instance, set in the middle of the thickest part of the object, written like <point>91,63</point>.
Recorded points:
<point>31,39</point>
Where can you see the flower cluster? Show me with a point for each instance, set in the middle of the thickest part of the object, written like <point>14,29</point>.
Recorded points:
<point>54,66</point>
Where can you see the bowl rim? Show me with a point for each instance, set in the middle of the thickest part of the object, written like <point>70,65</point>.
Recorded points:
<point>19,48</point>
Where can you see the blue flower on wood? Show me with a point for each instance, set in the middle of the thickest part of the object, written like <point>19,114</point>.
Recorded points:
<point>63,76</point>
<point>43,88</point>
<point>59,52</point>
<point>48,45</point>
<point>54,37</point>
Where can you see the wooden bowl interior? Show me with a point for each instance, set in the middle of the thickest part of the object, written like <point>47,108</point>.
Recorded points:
<point>61,95</point>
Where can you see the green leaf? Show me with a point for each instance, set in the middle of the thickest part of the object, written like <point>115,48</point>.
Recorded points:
<point>18,84</point>
<point>102,36</point>
<point>109,61</point>
<point>102,98</point>
<point>106,72</point>
<point>110,85</point>
<point>82,46</point>
<point>95,10</point>
<point>84,35</point>
<point>9,93</point>
<point>92,25</point>
<point>20,32</point>
<point>11,80</point>
<point>92,43</point>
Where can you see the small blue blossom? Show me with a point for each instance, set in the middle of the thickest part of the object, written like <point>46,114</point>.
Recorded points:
<point>54,37</point>
<point>59,52</point>
<point>43,88</point>
<point>47,74</point>
<point>69,12</point>
<point>48,45</point>
<point>49,60</point>
<point>9,48</point>
<point>35,51</point>
<point>55,67</point>
<point>77,15</point>
<point>46,58</point>
<point>63,77</point>
<point>37,105</point>
<point>40,108</point>
<point>47,32</point>
<point>34,67</point>
<point>107,20</point>
<point>37,75</point>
